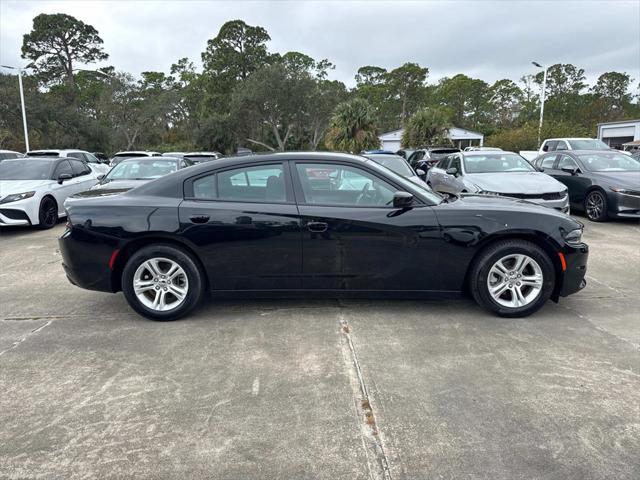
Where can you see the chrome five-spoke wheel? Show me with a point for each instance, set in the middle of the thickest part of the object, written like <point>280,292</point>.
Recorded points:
<point>160,284</point>
<point>515,281</point>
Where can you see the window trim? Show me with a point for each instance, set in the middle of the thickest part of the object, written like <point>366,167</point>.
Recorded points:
<point>187,186</point>
<point>302,201</point>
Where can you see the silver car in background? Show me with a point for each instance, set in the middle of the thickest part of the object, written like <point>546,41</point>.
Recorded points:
<point>497,173</point>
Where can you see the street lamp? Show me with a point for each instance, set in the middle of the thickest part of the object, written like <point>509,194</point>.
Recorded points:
<point>24,112</point>
<point>544,88</point>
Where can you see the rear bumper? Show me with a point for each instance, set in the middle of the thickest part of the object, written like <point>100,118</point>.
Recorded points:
<point>573,279</point>
<point>86,264</point>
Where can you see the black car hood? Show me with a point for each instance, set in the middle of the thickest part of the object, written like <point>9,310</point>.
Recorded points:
<point>630,180</point>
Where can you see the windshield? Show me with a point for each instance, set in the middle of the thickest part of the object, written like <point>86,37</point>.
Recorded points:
<point>496,162</point>
<point>588,144</point>
<point>141,170</point>
<point>394,163</point>
<point>609,162</point>
<point>25,170</point>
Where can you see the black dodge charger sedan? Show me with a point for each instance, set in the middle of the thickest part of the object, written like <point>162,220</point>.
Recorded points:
<point>318,224</point>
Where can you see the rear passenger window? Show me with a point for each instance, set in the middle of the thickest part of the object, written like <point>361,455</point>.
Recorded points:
<point>264,183</point>
<point>79,168</point>
<point>63,167</point>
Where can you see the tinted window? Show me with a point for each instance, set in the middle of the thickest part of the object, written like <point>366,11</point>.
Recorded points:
<point>25,169</point>
<point>79,168</point>
<point>394,163</point>
<point>550,146</point>
<point>77,155</point>
<point>562,145</point>
<point>4,156</point>
<point>443,163</point>
<point>548,161</point>
<point>63,167</point>
<point>567,161</point>
<point>455,162</point>
<point>204,188</point>
<point>264,183</point>
<point>91,158</point>
<point>327,184</point>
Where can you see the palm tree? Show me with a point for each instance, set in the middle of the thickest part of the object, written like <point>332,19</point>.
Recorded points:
<point>352,127</point>
<point>425,127</point>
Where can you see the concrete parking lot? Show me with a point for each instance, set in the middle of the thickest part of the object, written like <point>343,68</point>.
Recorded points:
<point>318,389</point>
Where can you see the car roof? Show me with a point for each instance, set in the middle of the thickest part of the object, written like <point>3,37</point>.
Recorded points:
<point>138,152</point>
<point>149,159</point>
<point>606,152</point>
<point>471,153</point>
<point>570,138</point>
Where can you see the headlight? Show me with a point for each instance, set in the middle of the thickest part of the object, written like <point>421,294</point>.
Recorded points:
<point>14,197</point>
<point>574,237</point>
<point>625,191</point>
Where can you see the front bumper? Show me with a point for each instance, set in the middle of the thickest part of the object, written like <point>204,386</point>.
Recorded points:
<point>562,205</point>
<point>573,279</point>
<point>10,217</point>
<point>624,205</point>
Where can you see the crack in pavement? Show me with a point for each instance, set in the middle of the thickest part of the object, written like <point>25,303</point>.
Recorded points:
<point>364,408</point>
<point>32,332</point>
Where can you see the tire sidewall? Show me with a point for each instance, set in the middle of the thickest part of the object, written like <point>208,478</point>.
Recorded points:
<point>190,267</point>
<point>41,224</point>
<point>481,286</point>
<point>603,215</point>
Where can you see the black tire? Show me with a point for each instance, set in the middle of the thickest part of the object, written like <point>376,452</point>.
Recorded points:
<point>194,274</point>
<point>48,213</point>
<point>479,276</point>
<point>595,206</point>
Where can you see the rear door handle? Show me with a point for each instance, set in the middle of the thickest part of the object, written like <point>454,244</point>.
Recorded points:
<point>199,218</point>
<point>317,227</point>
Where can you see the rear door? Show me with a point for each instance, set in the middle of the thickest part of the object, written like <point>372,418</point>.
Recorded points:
<point>245,224</point>
<point>352,237</point>
<point>83,177</point>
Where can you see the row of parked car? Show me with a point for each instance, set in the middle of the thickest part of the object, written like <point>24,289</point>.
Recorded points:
<point>34,186</point>
<point>580,174</point>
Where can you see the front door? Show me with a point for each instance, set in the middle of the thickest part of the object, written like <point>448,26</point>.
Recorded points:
<point>246,226</point>
<point>353,238</point>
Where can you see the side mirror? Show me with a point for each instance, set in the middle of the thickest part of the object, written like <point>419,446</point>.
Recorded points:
<point>421,173</point>
<point>402,200</point>
<point>100,177</point>
<point>452,171</point>
<point>571,170</point>
<point>64,176</point>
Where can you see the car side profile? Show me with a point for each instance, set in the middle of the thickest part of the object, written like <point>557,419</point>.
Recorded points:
<point>315,224</point>
<point>33,190</point>
<point>602,183</point>
<point>497,173</point>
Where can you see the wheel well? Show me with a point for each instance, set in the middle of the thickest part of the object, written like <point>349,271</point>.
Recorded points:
<point>538,239</point>
<point>125,254</point>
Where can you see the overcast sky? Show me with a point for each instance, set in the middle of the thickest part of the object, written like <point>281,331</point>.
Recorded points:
<point>483,39</point>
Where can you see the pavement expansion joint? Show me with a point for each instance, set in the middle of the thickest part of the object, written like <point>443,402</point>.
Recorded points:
<point>364,407</point>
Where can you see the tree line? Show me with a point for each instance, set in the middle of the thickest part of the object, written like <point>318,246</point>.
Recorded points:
<point>245,95</point>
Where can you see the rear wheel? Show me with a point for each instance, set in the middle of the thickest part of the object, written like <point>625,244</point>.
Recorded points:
<point>48,213</point>
<point>512,278</point>
<point>595,206</point>
<point>162,282</point>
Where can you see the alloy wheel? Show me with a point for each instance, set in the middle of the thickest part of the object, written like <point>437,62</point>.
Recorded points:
<point>515,281</point>
<point>49,212</point>
<point>595,205</point>
<point>160,284</point>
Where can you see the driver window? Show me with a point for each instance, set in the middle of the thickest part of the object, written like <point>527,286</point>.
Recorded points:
<point>455,162</point>
<point>63,167</point>
<point>328,184</point>
<point>566,161</point>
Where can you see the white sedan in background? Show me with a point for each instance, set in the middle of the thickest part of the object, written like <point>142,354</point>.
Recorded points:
<point>96,165</point>
<point>33,190</point>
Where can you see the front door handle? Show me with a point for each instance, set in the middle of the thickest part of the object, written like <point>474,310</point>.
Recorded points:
<point>199,218</point>
<point>317,227</point>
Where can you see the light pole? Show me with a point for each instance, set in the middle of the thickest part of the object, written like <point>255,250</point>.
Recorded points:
<point>544,88</point>
<point>24,112</point>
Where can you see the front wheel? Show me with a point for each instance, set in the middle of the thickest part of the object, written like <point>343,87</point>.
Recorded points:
<point>512,278</point>
<point>48,213</point>
<point>595,206</point>
<point>162,282</point>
